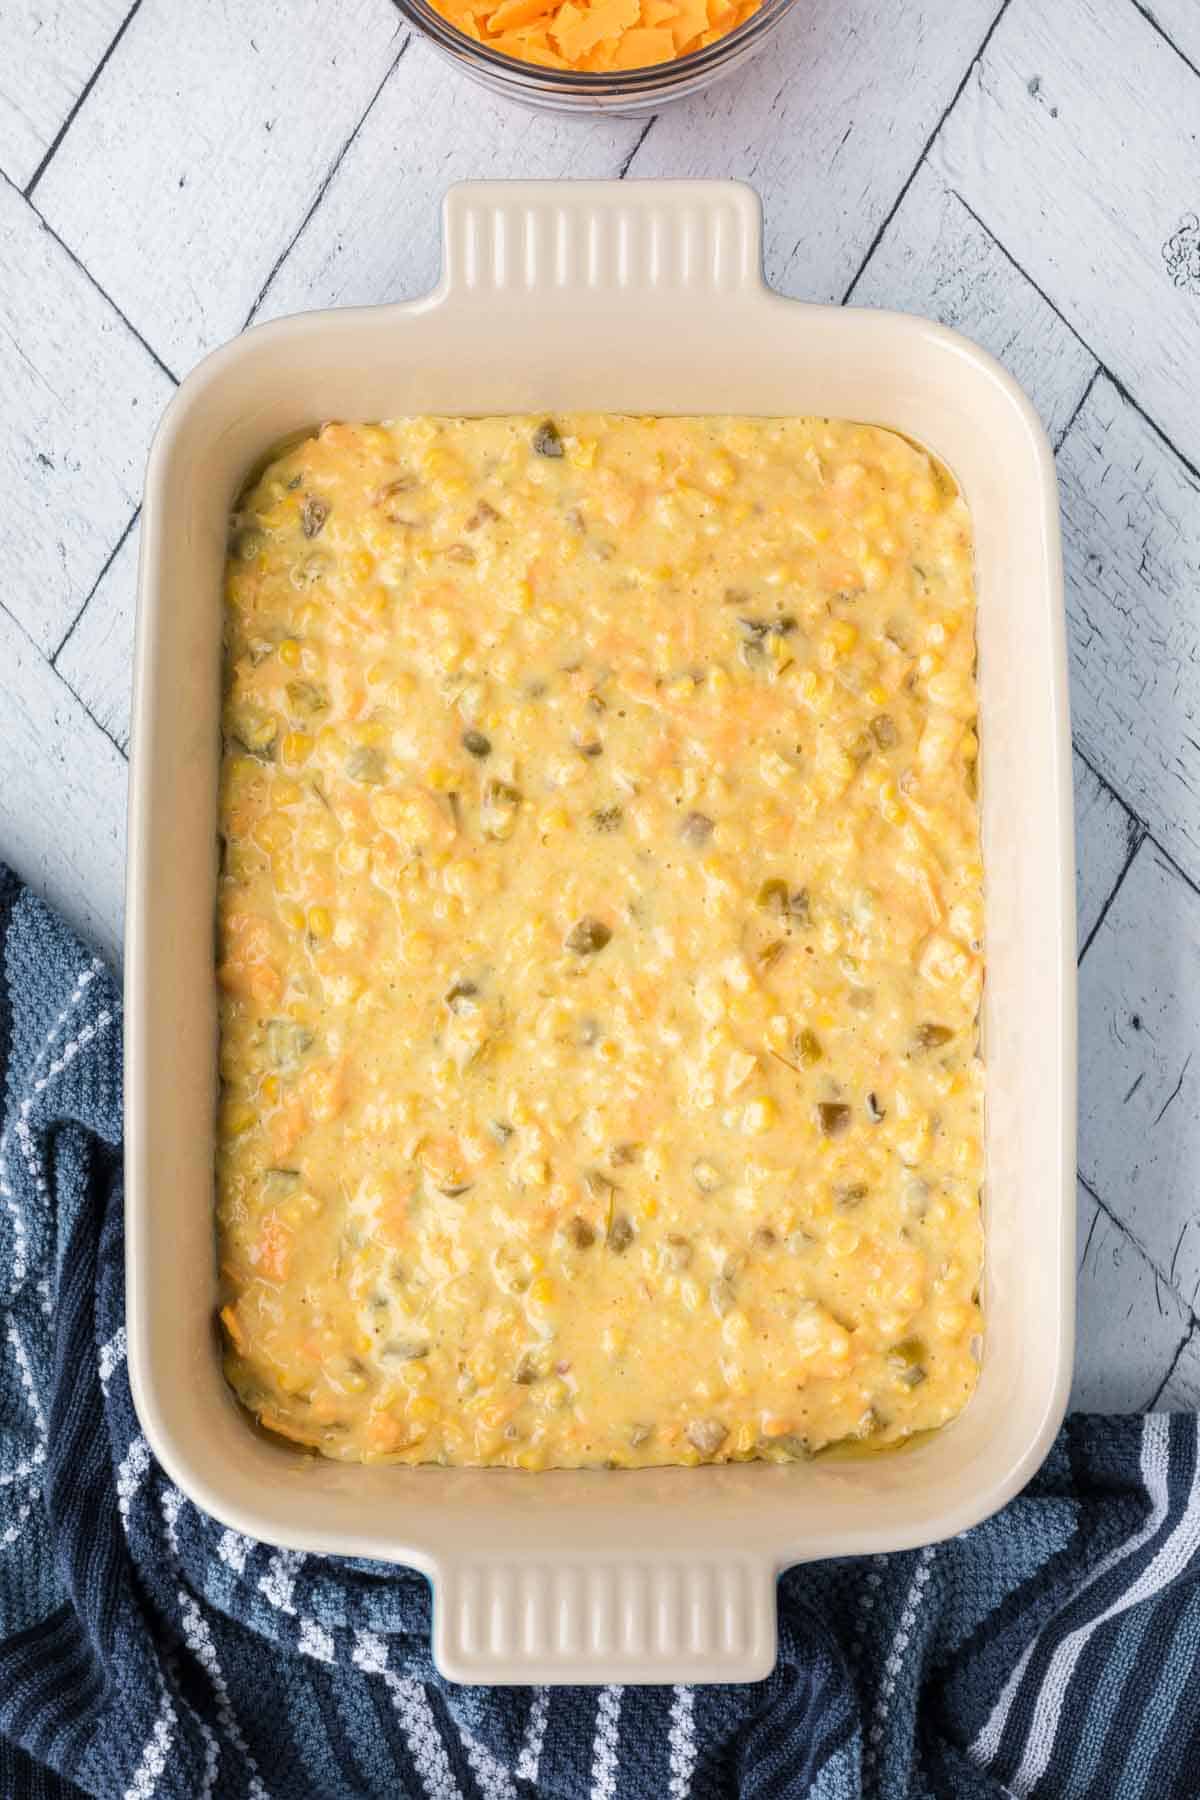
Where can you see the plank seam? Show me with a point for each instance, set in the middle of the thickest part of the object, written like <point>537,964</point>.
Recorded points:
<point>1184,1341</point>
<point>101,727</point>
<point>623,171</point>
<point>929,143</point>
<point>1150,19</point>
<point>86,89</point>
<point>1102,367</point>
<point>1148,836</point>
<point>1083,399</point>
<point>1142,1251</point>
<point>108,562</point>
<point>46,226</point>
<point>36,647</point>
<point>334,166</point>
<point>1138,836</point>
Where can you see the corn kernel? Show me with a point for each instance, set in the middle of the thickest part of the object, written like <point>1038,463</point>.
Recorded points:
<point>320,925</point>
<point>760,1115</point>
<point>236,1117</point>
<point>273,832</point>
<point>269,1088</point>
<point>296,747</point>
<point>541,1291</point>
<point>289,652</point>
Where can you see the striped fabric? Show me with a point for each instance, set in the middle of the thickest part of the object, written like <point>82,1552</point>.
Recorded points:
<point>146,1653</point>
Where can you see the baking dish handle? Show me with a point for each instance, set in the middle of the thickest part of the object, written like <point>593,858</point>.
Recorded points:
<point>529,244</point>
<point>657,1617</point>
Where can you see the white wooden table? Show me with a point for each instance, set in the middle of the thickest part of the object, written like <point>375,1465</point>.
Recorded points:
<point>1027,172</point>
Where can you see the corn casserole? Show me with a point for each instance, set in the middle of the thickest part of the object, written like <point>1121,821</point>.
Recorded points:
<point>600,942</point>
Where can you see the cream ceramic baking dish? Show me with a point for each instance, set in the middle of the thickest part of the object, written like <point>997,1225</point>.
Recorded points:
<point>626,297</point>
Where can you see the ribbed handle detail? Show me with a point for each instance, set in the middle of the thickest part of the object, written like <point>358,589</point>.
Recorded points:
<point>655,239</point>
<point>579,1620</point>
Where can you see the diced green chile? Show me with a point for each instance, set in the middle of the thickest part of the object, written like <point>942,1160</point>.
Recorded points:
<point>287,1042</point>
<point>546,439</point>
<point>707,1435</point>
<point>620,1234</point>
<point>834,1116</point>
<point>306,697</point>
<point>932,1037</point>
<point>365,765</point>
<point>607,818</point>
<point>476,744</point>
<point>587,936</point>
<point>581,1234</point>
<point>402,1350</point>
<point>696,828</point>
<point>313,517</point>
<point>248,543</point>
<point>790,1446</point>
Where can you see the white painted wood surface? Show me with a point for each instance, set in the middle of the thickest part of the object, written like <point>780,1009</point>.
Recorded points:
<point>1029,174</point>
<point>50,50</point>
<point>248,108</point>
<point>1077,141</point>
<point>828,124</point>
<point>66,487</point>
<point>62,794</point>
<point>1131,544</point>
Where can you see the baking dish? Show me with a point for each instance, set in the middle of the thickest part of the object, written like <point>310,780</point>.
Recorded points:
<point>633,297</point>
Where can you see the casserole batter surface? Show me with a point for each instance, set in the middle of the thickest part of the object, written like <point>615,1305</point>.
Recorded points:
<point>600,942</point>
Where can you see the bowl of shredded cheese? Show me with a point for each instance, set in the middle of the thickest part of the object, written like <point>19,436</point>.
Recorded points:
<point>622,56</point>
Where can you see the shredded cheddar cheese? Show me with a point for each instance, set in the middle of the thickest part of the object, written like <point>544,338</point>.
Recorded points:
<point>596,35</point>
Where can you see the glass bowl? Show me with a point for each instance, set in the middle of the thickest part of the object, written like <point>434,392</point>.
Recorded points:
<point>625,92</point>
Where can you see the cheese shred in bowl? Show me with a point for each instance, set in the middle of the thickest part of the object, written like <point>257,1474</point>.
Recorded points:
<point>596,36</point>
<point>600,942</point>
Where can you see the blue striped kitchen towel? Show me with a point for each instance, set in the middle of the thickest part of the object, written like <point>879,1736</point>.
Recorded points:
<point>146,1652</point>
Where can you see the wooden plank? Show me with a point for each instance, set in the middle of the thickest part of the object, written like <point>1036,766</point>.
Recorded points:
<point>1139,1066</point>
<point>51,48</point>
<point>1106,835</point>
<point>1130,1324</point>
<point>81,400</point>
<point>828,124</point>
<point>1131,523</point>
<point>62,795</point>
<point>373,240</point>
<point>96,661</point>
<point>1071,142</point>
<point>934,258</point>
<point>246,109</point>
